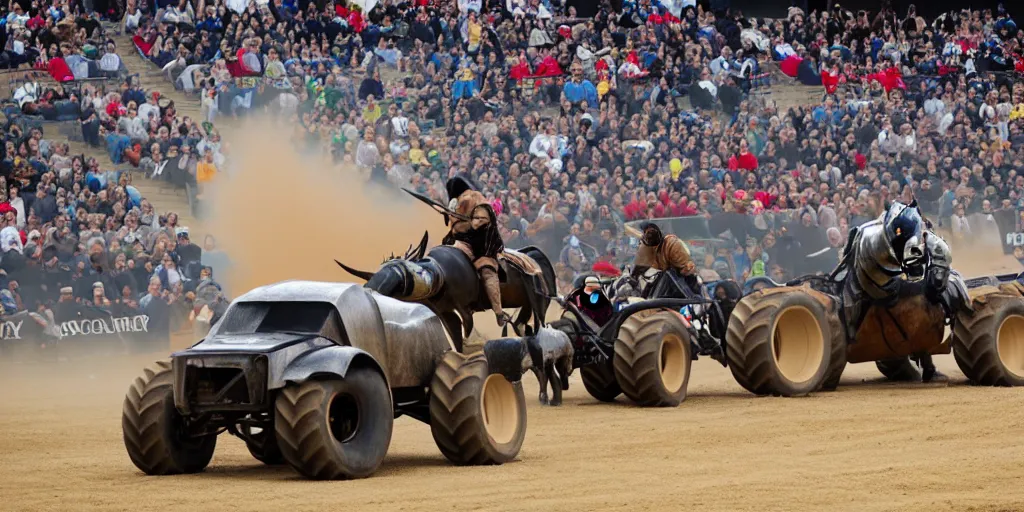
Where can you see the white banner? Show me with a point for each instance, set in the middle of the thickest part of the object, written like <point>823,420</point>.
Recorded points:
<point>102,326</point>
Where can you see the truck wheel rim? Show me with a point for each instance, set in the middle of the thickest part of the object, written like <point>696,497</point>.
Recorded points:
<point>797,344</point>
<point>499,408</point>
<point>1010,344</point>
<point>343,417</point>
<point>673,363</point>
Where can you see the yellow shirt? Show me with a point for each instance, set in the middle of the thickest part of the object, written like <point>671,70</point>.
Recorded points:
<point>371,116</point>
<point>205,172</point>
<point>474,31</point>
<point>1017,112</point>
<point>417,157</point>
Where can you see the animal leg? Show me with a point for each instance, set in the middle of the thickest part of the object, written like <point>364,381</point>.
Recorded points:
<point>521,318</point>
<point>542,378</point>
<point>452,322</point>
<point>466,321</point>
<point>537,373</point>
<point>540,308</point>
<point>928,371</point>
<point>564,369</point>
<point>556,389</point>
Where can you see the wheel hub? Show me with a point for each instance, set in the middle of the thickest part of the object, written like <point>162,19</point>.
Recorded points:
<point>797,344</point>
<point>498,406</point>
<point>1010,344</point>
<point>343,417</point>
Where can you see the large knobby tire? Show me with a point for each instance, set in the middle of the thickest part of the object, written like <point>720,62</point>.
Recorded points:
<point>599,381</point>
<point>779,343</point>
<point>155,433</point>
<point>837,356</point>
<point>899,370</point>
<point>335,429</point>
<point>989,346</point>
<point>652,359</point>
<point>476,417</point>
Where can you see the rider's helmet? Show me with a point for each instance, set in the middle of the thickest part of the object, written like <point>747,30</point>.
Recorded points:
<point>904,230</point>
<point>652,236</point>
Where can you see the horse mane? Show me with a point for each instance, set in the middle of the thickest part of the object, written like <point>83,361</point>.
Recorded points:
<point>409,255</point>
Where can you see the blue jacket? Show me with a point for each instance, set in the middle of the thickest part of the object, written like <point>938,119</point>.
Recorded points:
<point>116,144</point>
<point>583,91</point>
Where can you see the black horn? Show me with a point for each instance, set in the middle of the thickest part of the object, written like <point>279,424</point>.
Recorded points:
<point>365,276</point>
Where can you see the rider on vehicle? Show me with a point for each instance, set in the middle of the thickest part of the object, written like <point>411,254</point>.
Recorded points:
<point>593,302</point>
<point>664,252</point>
<point>478,238</point>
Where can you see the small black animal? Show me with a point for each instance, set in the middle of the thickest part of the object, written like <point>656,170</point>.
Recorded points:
<point>548,354</point>
<point>551,356</point>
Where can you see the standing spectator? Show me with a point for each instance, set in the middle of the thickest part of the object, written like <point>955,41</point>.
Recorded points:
<point>190,255</point>
<point>156,305</point>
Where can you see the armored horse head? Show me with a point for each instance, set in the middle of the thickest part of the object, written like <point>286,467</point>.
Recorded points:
<point>445,280</point>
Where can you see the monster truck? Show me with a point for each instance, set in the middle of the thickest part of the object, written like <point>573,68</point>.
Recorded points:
<point>313,374</point>
<point>888,301</point>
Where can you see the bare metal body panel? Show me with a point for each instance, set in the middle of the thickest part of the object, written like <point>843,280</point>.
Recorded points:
<point>405,339</point>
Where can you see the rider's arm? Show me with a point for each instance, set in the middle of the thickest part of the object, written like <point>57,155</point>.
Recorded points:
<point>678,256</point>
<point>644,259</point>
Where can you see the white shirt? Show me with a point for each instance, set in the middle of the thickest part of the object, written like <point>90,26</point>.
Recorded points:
<point>146,109</point>
<point>785,50</point>
<point>110,62</point>
<point>541,146</point>
<point>400,126</point>
<point>709,86</point>
<point>19,205</point>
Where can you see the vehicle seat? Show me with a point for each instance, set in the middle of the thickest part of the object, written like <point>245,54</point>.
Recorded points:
<point>599,313</point>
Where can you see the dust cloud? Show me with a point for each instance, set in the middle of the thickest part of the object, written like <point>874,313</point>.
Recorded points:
<point>977,258</point>
<point>282,215</point>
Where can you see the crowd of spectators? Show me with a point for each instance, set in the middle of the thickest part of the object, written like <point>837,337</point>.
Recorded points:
<point>74,235</point>
<point>574,127</point>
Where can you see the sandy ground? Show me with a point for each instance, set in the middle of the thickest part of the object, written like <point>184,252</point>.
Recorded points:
<point>869,446</point>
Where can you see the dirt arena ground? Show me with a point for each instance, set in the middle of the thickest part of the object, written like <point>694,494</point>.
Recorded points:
<point>869,446</point>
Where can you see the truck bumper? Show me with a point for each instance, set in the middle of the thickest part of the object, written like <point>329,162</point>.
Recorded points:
<point>212,382</point>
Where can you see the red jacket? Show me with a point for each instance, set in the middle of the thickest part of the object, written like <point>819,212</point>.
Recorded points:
<point>685,210</point>
<point>355,20</point>
<point>745,161</point>
<point>59,70</point>
<point>830,81</point>
<point>519,71</point>
<point>635,210</point>
<point>548,67</point>
<point>660,211</point>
